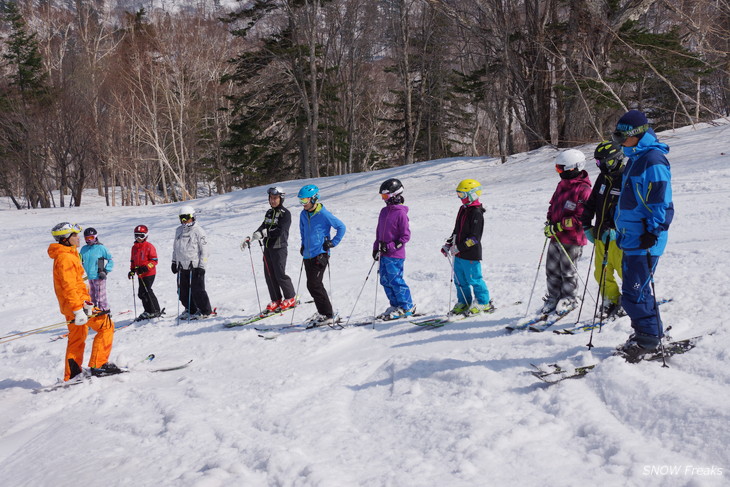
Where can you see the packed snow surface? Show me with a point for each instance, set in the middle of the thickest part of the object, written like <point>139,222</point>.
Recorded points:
<point>389,405</point>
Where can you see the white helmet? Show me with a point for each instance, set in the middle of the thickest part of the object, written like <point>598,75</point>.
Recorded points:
<point>571,159</point>
<point>187,210</point>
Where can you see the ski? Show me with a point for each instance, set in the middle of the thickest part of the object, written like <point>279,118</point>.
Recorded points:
<point>442,320</point>
<point>260,316</point>
<point>544,325</point>
<point>98,373</point>
<point>272,333</point>
<point>378,320</point>
<point>580,328</point>
<point>557,374</point>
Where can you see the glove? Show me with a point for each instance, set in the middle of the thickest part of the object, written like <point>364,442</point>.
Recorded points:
<point>647,240</point>
<point>102,274</point>
<point>174,268</point>
<point>246,244</point>
<point>258,235</point>
<point>131,274</point>
<point>140,269</point>
<point>88,308</point>
<point>552,229</point>
<point>383,248</point>
<point>446,249</point>
<point>301,250</point>
<point>327,245</point>
<point>376,255</point>
<point>589,235</point>
<point>80,317</point>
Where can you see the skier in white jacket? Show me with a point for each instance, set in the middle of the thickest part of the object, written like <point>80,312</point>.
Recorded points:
<point>189,258</point>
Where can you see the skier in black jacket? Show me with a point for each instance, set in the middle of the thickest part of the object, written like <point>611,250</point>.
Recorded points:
<point>274,232</point>
<point>601,205</point>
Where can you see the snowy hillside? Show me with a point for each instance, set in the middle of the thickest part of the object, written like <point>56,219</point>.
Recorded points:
<point>391,406</point>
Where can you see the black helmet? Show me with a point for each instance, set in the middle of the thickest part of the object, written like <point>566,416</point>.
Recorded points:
<point>391,186</point>
<point>609,156</point>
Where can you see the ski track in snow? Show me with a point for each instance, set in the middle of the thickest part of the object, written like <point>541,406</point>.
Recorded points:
<point>389,405</point>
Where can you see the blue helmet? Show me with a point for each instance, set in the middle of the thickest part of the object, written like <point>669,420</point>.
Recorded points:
<point>309,191</point>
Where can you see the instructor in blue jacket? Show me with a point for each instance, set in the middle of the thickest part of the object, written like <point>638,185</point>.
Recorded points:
<point>643,215</point>
<point>315,224</point>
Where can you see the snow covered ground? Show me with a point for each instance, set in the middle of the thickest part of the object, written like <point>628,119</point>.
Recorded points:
<point>391,406</point>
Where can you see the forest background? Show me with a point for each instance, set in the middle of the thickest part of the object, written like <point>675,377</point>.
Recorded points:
<point>154,102</point>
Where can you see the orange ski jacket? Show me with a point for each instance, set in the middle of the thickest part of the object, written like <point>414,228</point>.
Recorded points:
<point>68,279</point>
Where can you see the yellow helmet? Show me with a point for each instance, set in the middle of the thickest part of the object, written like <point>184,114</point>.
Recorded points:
<point>469,188</point>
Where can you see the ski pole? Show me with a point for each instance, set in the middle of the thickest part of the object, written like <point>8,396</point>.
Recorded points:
<point>572,264</point>
<point>375,301</point>
<point>299,281</point>
<point>190,288</point>
<point>585,288</point>
<point>177,276</point>
<point>360,293</point>
<point>656,305</point>
<point>134,299</point>
<point>253,271</point>
<point>537,274</point>
<point>23,334</point>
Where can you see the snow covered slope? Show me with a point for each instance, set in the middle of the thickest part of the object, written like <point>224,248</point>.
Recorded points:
<point>391,406</point>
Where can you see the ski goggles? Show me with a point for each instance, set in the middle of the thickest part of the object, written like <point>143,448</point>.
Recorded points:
<point>305,201</point>
<point>90,238</point>
<point>185,218</point>
<point>71,228</point>
<point>275,191</point>
<point>140,235</point>
<point>623,132</point>
<point>462,194</point>
<point>559,168</point>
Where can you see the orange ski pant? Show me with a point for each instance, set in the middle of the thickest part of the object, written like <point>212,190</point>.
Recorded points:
<point>100,350</point>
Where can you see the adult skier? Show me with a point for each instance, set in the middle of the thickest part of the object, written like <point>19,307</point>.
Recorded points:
<point>391,236</point>
<point>189,258</point>
<point>97,262</point>
<point>601,205</point>
<point>315,225</point>
<point>465,244</point>
<point>76,305</point>
<point>643,215</point>
<point>143,264</point>
<point>274,232</point>
<point>565,230</point>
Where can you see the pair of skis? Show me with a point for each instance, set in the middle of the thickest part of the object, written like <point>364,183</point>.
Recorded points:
<point>555,373</point>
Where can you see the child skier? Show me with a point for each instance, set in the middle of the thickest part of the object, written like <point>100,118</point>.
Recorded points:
<point>315,224</point>
<point>565,231</point>
<point>189,258</point>
<point>465,244</point>
<point>274,232</point>
<point>601,204</point>
<point>143,263</point>
<point>74,302</point>
<point>391,236</point>
<point>97,262</point>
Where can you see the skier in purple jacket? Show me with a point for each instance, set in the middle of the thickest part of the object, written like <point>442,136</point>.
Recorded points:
<point>389,248</point>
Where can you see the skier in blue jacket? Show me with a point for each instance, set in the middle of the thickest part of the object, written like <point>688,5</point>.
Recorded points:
<point>315,225</point>
<point>643,215</point>
<point>97,262</point>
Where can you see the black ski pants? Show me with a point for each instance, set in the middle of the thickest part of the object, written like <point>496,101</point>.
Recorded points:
<point>315,268</point>
<point>145,293</point>
<point>192,291</point>
<point>277,281</point>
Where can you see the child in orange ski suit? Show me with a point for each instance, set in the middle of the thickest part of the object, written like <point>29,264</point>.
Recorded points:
<point>72,294</point>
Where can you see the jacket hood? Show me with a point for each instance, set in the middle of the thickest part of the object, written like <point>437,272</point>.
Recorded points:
<point>56,249</point>
<point>648,142</point>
